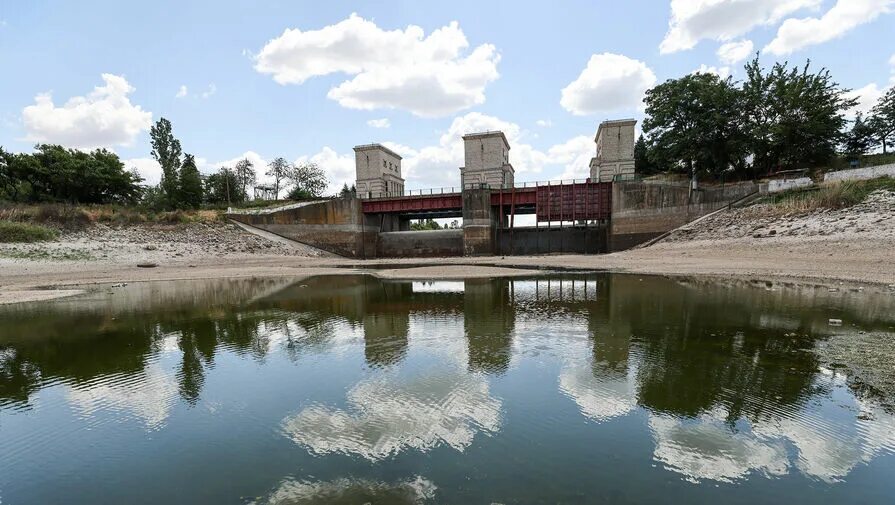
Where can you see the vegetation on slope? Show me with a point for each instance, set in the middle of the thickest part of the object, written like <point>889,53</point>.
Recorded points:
<point>829,195</point>
<point>24,232</point>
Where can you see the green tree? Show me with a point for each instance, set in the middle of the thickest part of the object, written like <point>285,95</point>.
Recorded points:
<point>793,118</point>
<point>166,151</point>
<point>859,139</point>
<point>56,174</point>
<point>223,187</point>
<point>245,175</point>
<point>689,124</point>
<point>190,196</point>
<point>642,164</point>
<point>883,118</point>
<point>307,179</point>
<point>278,169</point>
<point>425,225</point>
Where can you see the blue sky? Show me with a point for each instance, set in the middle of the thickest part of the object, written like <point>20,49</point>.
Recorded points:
<point>334,80</point>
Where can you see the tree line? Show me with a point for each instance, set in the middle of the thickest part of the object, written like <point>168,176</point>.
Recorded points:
<point>53,173</point>
<point>776,119</point>
<point>182,186</point>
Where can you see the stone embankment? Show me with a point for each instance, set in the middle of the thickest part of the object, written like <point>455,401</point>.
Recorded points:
<point>874,218</point>
<point>156,243</point>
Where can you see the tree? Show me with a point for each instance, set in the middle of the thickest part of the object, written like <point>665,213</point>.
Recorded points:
<point>56,174</point>
<point>279,170</point>
<point>190,195</point>
<point>347,192</point>
<point>642,164</point>
<point>883,119</point>
<point>860,139</point>
<point>166,151</point>
<point>307,179</point>
<point>793,118</point>
<point>428,224</point>
<point>223,187</point>
<point>245,174</point>
<point>689,126</point>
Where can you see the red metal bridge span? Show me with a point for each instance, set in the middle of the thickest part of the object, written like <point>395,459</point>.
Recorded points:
<point>549,201</point>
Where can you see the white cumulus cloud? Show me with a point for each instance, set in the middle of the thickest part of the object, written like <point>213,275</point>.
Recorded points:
<point>544,123</point>
<point>867,97</point>
<point>795,34</point>
<point>721,72</point>
<point>610,82</point>
<point>148,168</point>
<point>398,69</point>
<point>103,118</point>
<point>182,92</point>
<point>379,123</point>
<point>735,52</point>
<point>694,20</point>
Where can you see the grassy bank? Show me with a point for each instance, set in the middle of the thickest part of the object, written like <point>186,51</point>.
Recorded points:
<point>73,217</point>
<point>829,195</point>
<point>24,232</point>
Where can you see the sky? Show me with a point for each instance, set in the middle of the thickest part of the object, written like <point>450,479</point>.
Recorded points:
<point>310,80</point>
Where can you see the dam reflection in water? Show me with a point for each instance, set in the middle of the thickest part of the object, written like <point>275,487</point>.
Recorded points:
<point>578,388</point>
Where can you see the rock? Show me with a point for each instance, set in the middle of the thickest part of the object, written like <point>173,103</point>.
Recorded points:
<point>147,265</point>
<point>835,322</point>
<point>149,247</point>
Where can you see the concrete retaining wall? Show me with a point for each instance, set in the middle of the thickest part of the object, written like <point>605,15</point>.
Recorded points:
<point>776,186</point>
<point>337,226</point>
<point>431,243</point>
<point>861,173</point>
<point>641,211</point>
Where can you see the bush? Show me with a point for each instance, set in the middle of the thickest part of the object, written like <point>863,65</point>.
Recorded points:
<point>24,232</point>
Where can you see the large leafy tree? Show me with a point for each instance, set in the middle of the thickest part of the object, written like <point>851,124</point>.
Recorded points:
<point>190,194</point>
<point>166,151</point>
<point>308,180</point>
<point>883,119</point>
<point>793,117</point>
<point>278,169</point>
<point>223,186</point>
<point>691,124</point>
<point>56,174</point>
<point>245,174</point>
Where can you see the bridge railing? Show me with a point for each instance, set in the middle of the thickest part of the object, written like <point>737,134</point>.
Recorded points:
<point>372,195</point>
<point>449,190</point>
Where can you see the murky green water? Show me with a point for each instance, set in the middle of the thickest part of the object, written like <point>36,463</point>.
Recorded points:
<point>576,389</point>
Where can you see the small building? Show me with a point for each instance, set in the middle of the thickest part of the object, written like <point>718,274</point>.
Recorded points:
<point>378,171</point>
<point>615,151</point>
<point>487,160</point>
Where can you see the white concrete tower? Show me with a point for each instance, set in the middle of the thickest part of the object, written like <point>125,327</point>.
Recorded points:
<point>487,160</point>
<point>615,151</point>
<point>378,171</point>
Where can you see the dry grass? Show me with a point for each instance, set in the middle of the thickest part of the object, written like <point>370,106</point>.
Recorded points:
<point>71,217</point>
<point>831,195</point>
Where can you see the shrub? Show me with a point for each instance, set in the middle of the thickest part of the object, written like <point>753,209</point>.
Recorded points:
<point>24,232</point>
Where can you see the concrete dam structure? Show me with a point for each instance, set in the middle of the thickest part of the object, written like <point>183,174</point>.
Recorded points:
<point>601,214</point>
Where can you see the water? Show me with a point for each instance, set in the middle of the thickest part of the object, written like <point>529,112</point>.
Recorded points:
<point>347,389</point>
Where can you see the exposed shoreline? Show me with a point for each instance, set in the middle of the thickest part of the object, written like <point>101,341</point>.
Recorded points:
<point>825,261</point>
